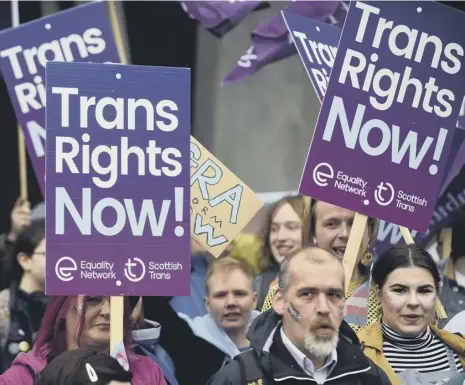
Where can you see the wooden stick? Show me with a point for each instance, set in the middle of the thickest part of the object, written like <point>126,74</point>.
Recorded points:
<point>22,164</point>
<point>407,236</point>
<point>116,321</point>
<point>116,302</point>
<point>446,247</point>
<point>117,31</point>
<point>353,246</point>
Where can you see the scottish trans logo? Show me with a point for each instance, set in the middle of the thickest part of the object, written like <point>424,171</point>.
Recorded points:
<point>134,269</point>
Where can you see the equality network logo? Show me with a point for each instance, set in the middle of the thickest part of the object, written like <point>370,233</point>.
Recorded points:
<point>322,173</point>
<point>64,268</point>
<point>134,271</point>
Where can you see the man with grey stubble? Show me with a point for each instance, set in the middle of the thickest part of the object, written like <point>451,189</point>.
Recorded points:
<point>303,336</point>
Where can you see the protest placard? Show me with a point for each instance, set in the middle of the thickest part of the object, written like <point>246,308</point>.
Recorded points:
<point>221,204</point>
<point>310,36</point>
<point>80,34</point>
<point>316,43</point>
<point>117,186</point>
<point>392,105</point>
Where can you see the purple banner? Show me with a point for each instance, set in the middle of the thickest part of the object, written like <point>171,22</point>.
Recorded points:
<point>392,105</point>
<point>219,17</point>
<point>271,41</point>
<point>118,180</point>
<point>79,34</point>
<point>317,44</point>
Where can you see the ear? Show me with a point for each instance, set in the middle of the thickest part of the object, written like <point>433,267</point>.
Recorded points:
<point>278,303</point>
<point>254,299</point>
<point>24,261</point>
<point>207,304</point>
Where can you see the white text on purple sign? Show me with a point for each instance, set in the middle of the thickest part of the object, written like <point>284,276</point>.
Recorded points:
<point>420,48</point>
<point>82,158</point>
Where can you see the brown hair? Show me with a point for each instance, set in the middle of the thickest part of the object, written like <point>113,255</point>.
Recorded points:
<point>373,224</point>
<point>227,265</point>
<point>300,206</point>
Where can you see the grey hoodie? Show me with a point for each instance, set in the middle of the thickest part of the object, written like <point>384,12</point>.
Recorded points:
<point>206,328</point>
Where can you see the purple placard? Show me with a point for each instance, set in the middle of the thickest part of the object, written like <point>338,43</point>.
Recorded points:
<point>385,156</point>
<point>389,234</point>
<point>79,34</point>
<point>271,41</point>
<point>316,44</point>
<point>219,17</point>
<point>443,215</point>
<point>117,187</point>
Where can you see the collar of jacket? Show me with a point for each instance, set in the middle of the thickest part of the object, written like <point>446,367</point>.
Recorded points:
<point>351,360</point>
<point>372,338</point>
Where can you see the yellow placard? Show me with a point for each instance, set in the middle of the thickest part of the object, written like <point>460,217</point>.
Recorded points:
<point>221,204</point>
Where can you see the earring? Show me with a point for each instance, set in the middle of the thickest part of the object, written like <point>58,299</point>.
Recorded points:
<point>367,258</point>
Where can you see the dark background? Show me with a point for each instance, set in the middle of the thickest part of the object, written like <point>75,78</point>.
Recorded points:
<point>159,33</point>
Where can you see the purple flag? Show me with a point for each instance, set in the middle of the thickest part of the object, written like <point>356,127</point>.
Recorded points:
<point>79,34</point>
<point>271,41</point>
<point>118,180</point>
<point>219,17</point>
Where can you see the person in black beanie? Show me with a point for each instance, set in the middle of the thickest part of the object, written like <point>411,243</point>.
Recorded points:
<point>452,293</point>
<point>84,367</point>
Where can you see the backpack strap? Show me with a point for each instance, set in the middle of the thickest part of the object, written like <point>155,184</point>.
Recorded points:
<point>251,371</point>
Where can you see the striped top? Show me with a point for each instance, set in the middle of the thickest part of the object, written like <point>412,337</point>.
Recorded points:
<point>425,353</point>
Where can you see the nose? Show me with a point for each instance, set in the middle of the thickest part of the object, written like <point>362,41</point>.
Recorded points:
<point>322,307</point>
<point>231,300</point>
<point>344,230</point>
<point>105,309</point>
<point>282,233</point>
<point>412,300</point>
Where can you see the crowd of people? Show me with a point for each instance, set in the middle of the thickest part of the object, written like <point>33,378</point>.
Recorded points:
<point>270,310</point>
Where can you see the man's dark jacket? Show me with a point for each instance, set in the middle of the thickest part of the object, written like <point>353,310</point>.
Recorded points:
<point>279,367</point>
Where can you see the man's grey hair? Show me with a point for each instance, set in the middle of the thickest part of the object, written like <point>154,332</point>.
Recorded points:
<point>312,254</point>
